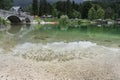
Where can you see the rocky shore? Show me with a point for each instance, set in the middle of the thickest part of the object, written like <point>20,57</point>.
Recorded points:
<point>60,61</point>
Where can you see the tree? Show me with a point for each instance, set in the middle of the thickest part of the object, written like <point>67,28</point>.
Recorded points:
<point>100,13</point>
<point>42,7</point>
<point>55,12</point>
<point>73,4</point>
<point>1,20</point>
<point>64,20</point>
<point>68,8</point>
<point>109,13</point>
<point>85,8</point>
<point>45,8</point>
<point>76,6</point>
<point>6,4</point>
<point>107,0</point>
<point>60,6</point>
<point>72,9</point>
<point>64,7</point>
<point>75,14</point>
<point>28,8</point>
<point>49,8</point>
<point>92,13</point>
<point>35,7</point>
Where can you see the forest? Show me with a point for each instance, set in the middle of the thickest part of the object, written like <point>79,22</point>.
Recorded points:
<point>96,9</point>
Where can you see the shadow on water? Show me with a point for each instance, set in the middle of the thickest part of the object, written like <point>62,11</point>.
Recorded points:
<point>14,29</point>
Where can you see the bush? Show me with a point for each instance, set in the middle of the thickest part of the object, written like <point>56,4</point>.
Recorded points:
<point>1,20</point>
<point>64,20</point>
<point>4,22</point>
<point>38,19</point>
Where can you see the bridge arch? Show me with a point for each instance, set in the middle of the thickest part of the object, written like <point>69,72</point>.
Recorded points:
<point>14,19</point>
<point>27,20</point>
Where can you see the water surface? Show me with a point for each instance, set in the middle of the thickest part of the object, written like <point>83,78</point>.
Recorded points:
<point>51,52</point>
<point>107,35</point>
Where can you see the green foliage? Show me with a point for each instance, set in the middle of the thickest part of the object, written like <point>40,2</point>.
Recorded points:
<point>75,14</point>
<point>55,12</point>
<point>116,16</point>
<point>28,9</point>
<point>7,21</point>
<point>97,13</point>
<point>38,19</point>
<point>109,13</point>
<point>38,27</point>
<point>68,7</point>
<point>92,13</point>
<point>64,22</point>
<point>4,22</point>
<point>71,9</point>
<point>79,22</point>
<point>6,4</point>
<point>85,8</point>
<point>35,7</point>
<point>45,8</point>
<point>100,13</point>
<point>51,19</point>
<point>0,20</point>
<point>75,10</point>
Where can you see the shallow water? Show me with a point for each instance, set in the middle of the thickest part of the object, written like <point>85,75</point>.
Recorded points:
<point>60,51</point>
<point>33,40</point>
<point>81,60</point>
<point>51,53</point>
<point>107,35</point>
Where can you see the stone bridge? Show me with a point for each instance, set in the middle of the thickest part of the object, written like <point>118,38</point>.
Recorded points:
<point>15,17</point>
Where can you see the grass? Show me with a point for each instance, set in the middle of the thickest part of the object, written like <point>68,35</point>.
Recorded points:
<point>50,19</point>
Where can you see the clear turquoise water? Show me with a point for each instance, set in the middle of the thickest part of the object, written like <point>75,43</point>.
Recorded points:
<point>107,35</point>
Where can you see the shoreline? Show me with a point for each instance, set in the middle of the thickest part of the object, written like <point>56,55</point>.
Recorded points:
<point>60,61</point>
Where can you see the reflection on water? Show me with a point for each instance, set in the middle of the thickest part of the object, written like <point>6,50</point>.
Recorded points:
<point>112,29</point>
<point>14,29</point>
<point>104,34</point>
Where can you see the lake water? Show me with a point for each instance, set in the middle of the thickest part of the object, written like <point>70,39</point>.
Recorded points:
<point>107,35</point>
<point>51,52</point>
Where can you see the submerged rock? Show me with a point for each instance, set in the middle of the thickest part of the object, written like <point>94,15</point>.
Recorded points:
<point>60,51</point>
<point>61,61</point>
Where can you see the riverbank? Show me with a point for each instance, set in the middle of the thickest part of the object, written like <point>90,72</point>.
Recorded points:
<point>60,61</point>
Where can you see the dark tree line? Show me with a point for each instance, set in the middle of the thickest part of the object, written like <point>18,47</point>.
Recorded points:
<point>111,8</point>
<point>35,7</point>
<point>6,4</point>
<point>57,9</point>
<point>108,9</point>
